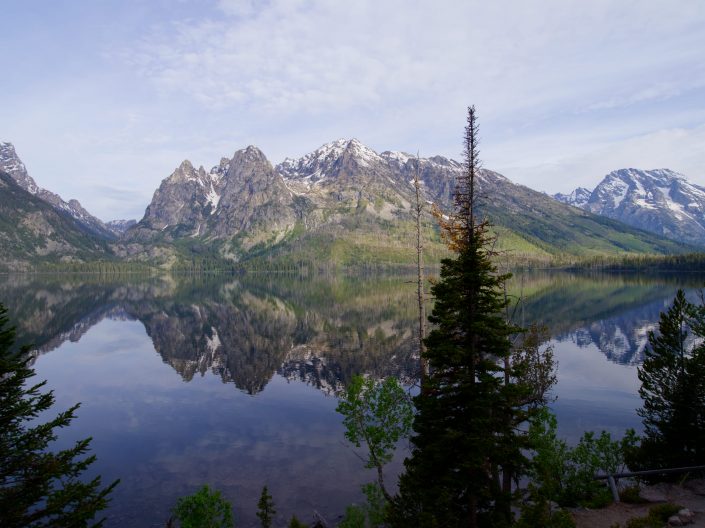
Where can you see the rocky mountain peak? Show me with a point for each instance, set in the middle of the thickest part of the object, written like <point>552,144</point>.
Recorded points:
<point>11,163</point>
<point>120,226</point>
<point>578,198</point>
<point>328,159</point>
<point>660,200</point>
<point>361,152</point>
<point>654,175</point>
<point>221,169</point>
<point>397,157</point>
<point>650,189</point>
<point>250,154</point>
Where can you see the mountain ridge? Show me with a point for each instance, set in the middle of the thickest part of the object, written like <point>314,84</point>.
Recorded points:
<point>11,164</point>
<point>345,193</point>
<point>32,230</point>
<point>660,201</point>
<point>345,204</point>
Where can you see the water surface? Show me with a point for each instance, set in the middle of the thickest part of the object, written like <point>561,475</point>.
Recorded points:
<point>230,381</point>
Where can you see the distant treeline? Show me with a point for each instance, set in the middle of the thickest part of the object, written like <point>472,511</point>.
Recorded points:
<point>299,262</point>
<point>103,267</point>
<point>693,262</point>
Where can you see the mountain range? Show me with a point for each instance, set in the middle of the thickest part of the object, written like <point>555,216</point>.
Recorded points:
<point>660,201</point>
<point>342,203</point>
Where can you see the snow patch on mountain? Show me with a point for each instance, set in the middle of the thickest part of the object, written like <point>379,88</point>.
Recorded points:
<point>578,198</point>
<point>320,164</point>
<point>213,198</point>
<point>11,164</point>
<point>659,200</point>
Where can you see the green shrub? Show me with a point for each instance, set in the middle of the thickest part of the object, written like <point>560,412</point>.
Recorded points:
<point>204,509</point>
<point>631,495</point>
<point>540,514</point>
<point>657,517</point>
<point>354,517</point>
<point>566,475</point>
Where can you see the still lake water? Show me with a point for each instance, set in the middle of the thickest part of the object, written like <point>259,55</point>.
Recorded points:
<point>230,381</point>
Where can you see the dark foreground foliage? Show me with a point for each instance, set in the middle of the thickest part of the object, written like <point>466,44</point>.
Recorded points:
<point>673,391</point>
<point>38,487</point>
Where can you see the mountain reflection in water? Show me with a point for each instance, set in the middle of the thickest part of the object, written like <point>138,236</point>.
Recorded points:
<point>94,340</point>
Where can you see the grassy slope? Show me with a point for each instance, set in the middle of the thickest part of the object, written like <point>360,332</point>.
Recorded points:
<point>543,225</point>
<point>543,235</point>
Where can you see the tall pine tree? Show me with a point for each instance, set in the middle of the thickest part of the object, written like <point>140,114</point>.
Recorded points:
<point>466,445</point>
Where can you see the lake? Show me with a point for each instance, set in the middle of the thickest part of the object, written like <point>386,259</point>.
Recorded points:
<point>231,381</point>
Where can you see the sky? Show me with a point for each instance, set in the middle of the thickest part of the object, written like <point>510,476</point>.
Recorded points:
<point>103,99</point>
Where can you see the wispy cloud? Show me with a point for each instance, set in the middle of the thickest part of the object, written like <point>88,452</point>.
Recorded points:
<point>563,87</point>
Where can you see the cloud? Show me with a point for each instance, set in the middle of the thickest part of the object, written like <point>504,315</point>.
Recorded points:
<point>679,149</point>
<point>318,56</point>
<point>560,83</point>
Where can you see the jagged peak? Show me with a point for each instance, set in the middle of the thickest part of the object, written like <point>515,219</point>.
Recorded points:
<point>402,158</point>
<point>250,153</point>
<point>186,166</point>
<point>184,172</point>
<point>359,149</point>
<point>657,174</point>
<point>11,163</point>
<point>317,163</point>
<point>398,156</point>
<point>577,197</point>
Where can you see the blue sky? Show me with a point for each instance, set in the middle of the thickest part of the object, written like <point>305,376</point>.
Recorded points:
<point>103,99</point>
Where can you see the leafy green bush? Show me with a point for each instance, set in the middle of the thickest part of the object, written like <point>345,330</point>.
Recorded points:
<point>354,517</point>
<point>631,495</point>
<point>204,509</point>
<point>378,414</point>
<point>539,514</point>
<point>657,517</point>
<point>566,475</point>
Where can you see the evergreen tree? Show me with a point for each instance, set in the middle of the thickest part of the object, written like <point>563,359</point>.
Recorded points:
<point>295,523</point>
<point>204,509</point>
<point>265,509</point>
<point>466,437</point>
<point>673,390</point>
<point>39,487</point>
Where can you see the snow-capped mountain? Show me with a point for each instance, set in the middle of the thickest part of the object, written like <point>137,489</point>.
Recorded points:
<point>345,193</point>
<point>12,165</point>
<point>120,226</point>
<point>328,160</point>
<point>578,198</point>
<point>660,201</point>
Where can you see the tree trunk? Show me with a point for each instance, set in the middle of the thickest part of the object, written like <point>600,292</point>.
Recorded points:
<point>419,276</point>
